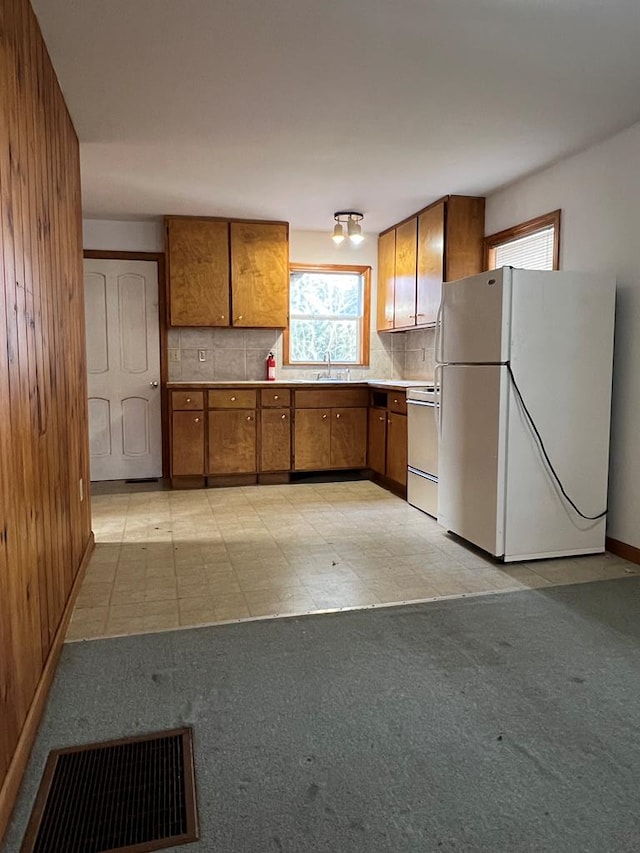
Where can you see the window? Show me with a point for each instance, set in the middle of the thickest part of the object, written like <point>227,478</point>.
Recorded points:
<point>532,245</point>
<point>328,313</point>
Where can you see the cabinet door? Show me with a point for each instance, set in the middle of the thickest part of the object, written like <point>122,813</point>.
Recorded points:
<point>376,449</point>
<point>312,449</point>
<point>260,274</point>
<point>275,440</point>
<point>232,442</point>
<point>386,279</point>
<point>198,259</point>
<point>464,243</point>
<point>430,263</point>
<point>187,443</point>
<point>348,438</point>
<point>397,448</point>
<point>406,259</point>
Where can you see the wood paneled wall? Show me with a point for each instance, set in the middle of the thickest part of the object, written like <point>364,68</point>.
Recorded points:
<point>45,526</point>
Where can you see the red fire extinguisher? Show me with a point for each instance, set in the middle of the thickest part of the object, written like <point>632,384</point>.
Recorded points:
<point>271,367</point>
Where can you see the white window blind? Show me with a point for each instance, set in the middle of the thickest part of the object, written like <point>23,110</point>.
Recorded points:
<point>531,252</point>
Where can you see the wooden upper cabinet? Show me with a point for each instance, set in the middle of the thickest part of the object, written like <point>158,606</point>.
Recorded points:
<point>405,283</point>
<point>441,243</point>
<point>260,274</point>
<point>386,279</point>
<point>464,244</point>
<point>430,263</point>
<point>198,266</point>
<point>216,267</point>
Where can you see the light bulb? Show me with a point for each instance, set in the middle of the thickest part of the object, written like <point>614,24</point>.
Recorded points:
<point>355,231</point>
<point>338,234</point>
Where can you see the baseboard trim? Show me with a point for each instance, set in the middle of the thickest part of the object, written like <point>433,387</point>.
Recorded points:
<point>11,785</point>
<point>621,549</point>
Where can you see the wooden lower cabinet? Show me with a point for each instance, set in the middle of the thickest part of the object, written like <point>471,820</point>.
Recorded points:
<point>377,448</point>
<point>232,442</point>
<point>275,440</point>
<point>187,443</point>
<point>330,438</point>
<point>397,448</point>
<point>312,448</point>
<point>348,438</point>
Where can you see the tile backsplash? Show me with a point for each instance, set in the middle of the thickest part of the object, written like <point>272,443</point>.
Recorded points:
<point>239,354</point>
<point>419,354</point>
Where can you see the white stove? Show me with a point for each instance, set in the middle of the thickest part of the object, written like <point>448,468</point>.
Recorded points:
<point>422,424</point>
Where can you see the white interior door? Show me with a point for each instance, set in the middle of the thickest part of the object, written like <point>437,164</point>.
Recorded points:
<point>123,364</point>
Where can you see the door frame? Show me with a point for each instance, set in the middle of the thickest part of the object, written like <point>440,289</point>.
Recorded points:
<point>159,258</point>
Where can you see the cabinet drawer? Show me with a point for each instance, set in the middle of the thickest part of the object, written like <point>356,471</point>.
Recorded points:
<point>233,398</point>
<point>336,397</point>
<point>187,400</point>
<point>397,402</point>
<point>277,399</point>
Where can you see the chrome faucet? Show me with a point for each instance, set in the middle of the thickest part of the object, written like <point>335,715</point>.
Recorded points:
<point>327,358</point>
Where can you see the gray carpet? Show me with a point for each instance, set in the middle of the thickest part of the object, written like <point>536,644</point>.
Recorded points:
<point>499,723</point>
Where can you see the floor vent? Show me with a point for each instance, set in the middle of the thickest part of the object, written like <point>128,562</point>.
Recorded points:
<point>142,480</point>
<point>136,794</point>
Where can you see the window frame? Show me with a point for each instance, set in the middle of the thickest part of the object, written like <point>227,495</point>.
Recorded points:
<point>525,229</point>
<point>365,320</point>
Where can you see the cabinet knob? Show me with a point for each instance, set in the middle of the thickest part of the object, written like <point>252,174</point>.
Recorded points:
<point>221,317</point>
<point>196,420</point>
<point>419,315</point>
<point>381,418</point>
<point>412,316</point>
<point>240,317</point>
<point>396,402</point>
<point>233,399</point>
<point>338,415</point>
<point>249,418</point>
<point>389,421</point>
<point>284,417</point>
<point>188,399</point>
<point>276,397</point>
<point>324,417</point>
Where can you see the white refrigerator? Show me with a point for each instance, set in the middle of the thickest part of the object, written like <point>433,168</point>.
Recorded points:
<point>524,366</point>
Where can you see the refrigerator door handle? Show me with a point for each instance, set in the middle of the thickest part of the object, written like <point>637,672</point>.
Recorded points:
<point>437,409</point>
<point>439,349</point>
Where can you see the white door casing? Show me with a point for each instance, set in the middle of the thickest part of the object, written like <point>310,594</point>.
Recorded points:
<point>123,366</point>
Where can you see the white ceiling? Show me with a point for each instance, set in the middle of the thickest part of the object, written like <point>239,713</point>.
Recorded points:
<point>291,109</point>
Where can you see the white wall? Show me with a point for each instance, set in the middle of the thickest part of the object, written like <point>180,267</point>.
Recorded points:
<point>598,191</point>
<point>115,235</point>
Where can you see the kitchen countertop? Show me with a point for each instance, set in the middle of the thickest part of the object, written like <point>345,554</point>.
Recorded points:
<point>390,384</point>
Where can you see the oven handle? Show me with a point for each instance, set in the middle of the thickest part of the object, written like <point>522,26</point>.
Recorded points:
<point>420,403</point>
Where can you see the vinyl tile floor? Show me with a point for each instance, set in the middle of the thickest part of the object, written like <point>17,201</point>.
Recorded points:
<point>170,559</point>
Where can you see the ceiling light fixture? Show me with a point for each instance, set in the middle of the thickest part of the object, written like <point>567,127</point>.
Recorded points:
<point>352,219</point>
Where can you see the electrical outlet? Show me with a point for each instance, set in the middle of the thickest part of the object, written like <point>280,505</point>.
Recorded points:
<point>174,354</point>
<point>202,355</point>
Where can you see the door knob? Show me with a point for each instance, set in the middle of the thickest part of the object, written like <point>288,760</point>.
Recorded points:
<point>154,384</point>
